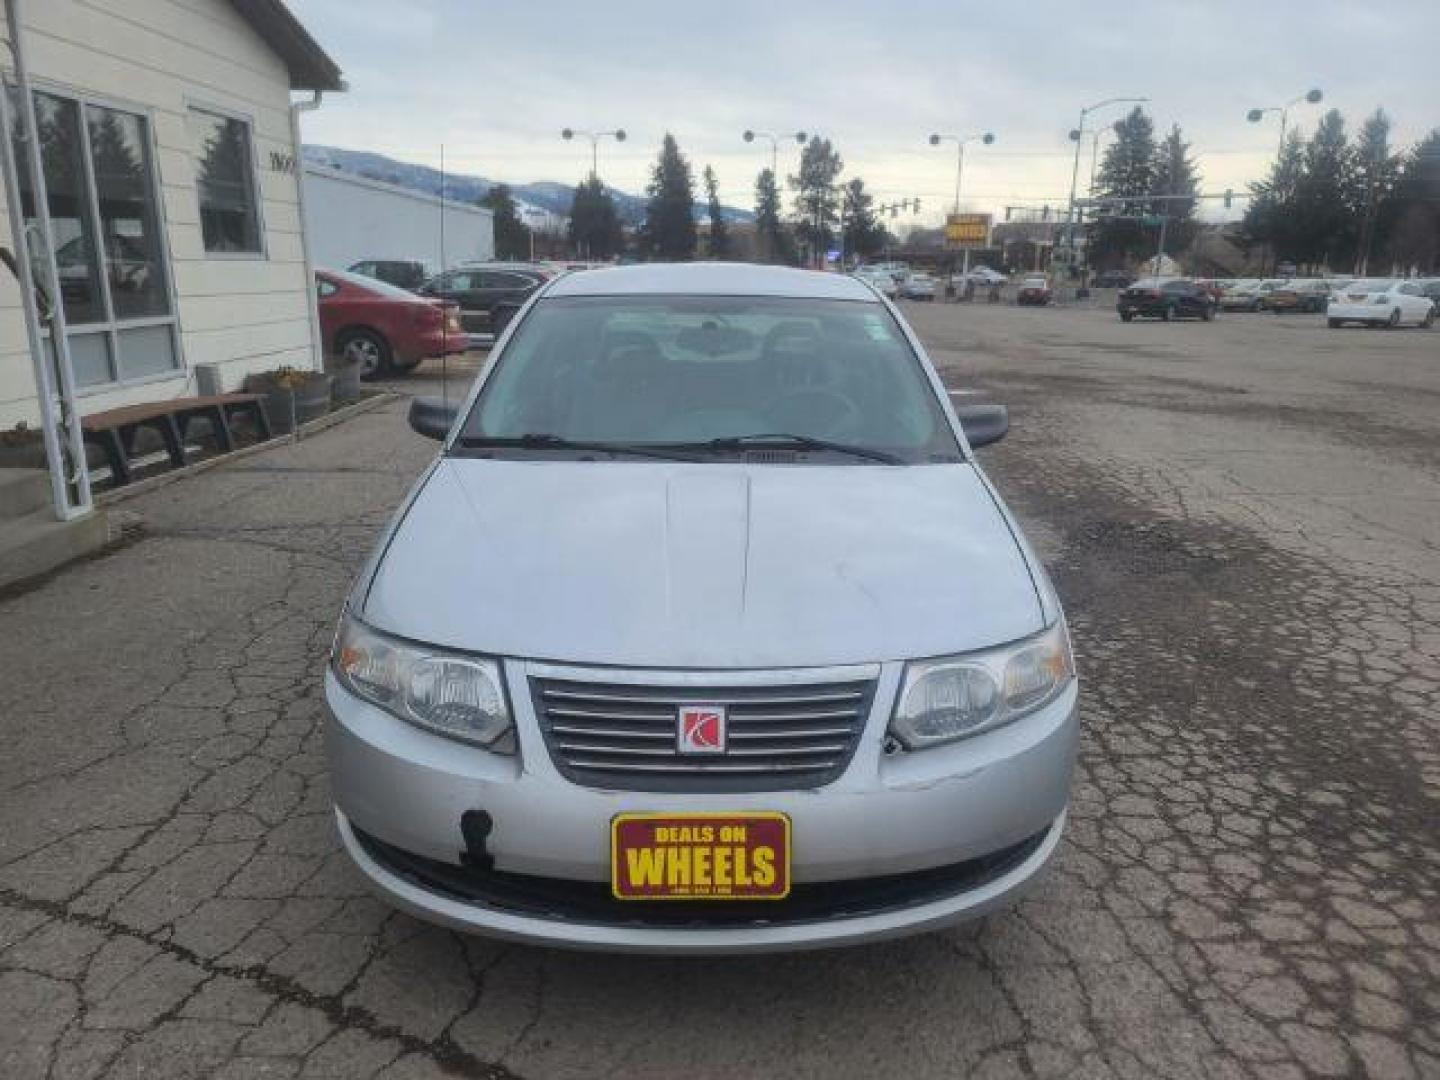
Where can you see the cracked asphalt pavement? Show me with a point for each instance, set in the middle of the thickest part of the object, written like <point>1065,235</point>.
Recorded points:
<point>1243,519</point>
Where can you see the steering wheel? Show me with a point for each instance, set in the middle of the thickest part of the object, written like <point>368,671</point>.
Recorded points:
<point>834,413</point>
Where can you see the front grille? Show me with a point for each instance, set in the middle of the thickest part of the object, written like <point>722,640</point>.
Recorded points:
<point>622,736</point>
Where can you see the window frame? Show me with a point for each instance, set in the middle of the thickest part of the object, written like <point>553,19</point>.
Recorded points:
<point>111,327</point>
<point>262,253</point>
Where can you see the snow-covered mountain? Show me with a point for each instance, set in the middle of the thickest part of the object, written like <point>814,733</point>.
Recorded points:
<point>545,196</point>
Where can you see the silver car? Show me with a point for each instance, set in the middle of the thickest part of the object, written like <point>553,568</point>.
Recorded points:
<point>704,633</point>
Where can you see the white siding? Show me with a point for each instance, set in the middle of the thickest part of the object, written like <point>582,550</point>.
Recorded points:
<point>351,218</point>
<point>158,57</point>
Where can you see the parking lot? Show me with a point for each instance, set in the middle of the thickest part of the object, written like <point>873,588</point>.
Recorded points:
<point>1243,519</point>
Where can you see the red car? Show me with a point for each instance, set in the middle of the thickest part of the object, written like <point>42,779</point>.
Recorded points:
<point>1035,289</point>
<point>384,328</point>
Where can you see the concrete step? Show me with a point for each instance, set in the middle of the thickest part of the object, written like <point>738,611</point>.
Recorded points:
<point>22,492</point>
<point>37,543</point>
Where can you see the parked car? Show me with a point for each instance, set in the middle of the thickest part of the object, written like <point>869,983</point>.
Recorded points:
<point>1297,295</point>
<point>883,282</point>
<point>1382,302</point>
<point>984,275</point>
<point>1034,289</point>
<point>1112,279</point>
<point>1161,298</point>
<point>488,295</point>
<point>1213,286</point>
<point>918,287</point>
<point>402,273</point>
<point>797,664</point>
<point>382,327</point>
<point>1247,295</point>
<point>1430,287</point>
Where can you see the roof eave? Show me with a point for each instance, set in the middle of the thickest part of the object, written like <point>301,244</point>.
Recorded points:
<point>310,67</point>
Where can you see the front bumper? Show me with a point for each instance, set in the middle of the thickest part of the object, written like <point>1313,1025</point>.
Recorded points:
<point>403,790</point>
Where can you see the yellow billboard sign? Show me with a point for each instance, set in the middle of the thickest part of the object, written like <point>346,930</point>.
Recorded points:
<point>967,230</point>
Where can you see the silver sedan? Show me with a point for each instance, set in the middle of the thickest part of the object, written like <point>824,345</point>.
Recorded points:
<point>704,633</point>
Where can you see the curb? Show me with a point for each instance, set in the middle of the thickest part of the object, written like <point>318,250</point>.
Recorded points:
<point>305,430</point>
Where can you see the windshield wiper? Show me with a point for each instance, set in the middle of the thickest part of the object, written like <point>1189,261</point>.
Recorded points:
<point>544,441</point>
<point>737,443</point>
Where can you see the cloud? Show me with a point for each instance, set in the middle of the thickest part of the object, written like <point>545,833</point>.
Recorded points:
<point>495,83</point>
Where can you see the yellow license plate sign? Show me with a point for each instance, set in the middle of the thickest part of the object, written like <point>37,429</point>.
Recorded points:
<point>700,856</point>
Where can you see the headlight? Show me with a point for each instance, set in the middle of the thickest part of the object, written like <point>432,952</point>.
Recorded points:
<point>452,694</point>
<point>952,697</point>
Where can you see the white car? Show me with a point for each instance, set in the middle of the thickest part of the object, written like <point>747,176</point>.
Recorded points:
<point>983,275</point>
<point>1381,302</point>
<point>918,287</point>
<point>882,282</point>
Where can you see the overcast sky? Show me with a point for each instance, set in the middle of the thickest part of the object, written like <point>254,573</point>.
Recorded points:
<point>495,83</point>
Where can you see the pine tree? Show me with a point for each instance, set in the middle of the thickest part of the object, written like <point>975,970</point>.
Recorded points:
<point>669,230</point>
<point>1127,170</point>
<point>1175,175</point>
<point>1377,171</point>
<point>771,237</point>
<point>817,200</point>
<point>512,236</point>
<point>863,233</point>
<point>594,228</point>
<point>1326,221</point>
<point>1271,218</point>
<point>1415,237</point>
<point>719,233</point>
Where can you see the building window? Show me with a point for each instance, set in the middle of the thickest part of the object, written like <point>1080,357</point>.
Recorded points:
<point>107,236</point>
<point>225,179</point>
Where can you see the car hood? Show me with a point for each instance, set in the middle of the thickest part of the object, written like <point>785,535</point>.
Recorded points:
<point>703,565</point>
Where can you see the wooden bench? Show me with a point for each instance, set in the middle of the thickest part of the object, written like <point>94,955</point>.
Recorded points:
<point>114,429</point>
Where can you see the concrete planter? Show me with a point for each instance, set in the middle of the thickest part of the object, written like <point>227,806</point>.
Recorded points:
<point>305,398</point>
<point>344,380</point>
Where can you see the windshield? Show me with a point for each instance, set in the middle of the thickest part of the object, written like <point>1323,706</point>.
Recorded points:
<point>681,371</point>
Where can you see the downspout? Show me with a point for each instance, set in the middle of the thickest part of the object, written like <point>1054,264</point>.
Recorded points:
<point>54,384</point>
<point>317,346</point>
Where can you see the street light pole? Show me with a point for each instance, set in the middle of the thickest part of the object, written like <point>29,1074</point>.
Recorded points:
<point>960,140</point>
<point>594,136</point>
<point>1076,136</point>
<point>1311,97</point>
<point>751,136</point>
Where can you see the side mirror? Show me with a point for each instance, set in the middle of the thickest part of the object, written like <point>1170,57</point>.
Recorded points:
<point>432,417</point>
<point>983,424</point>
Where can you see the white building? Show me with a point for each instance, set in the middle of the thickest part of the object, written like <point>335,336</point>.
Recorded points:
<point>349,218</point>
<point>166,128</point>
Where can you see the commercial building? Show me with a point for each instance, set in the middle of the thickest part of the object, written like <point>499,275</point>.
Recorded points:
<point>168,150</point>
<point>350,218</point>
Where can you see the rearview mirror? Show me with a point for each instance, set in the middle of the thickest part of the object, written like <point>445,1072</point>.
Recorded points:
<point>432,417</point>
<point>983,424</point>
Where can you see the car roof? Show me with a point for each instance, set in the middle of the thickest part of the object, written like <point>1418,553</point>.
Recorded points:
<point>710,279</point>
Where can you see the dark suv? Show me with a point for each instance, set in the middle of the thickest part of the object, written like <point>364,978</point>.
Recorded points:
<point>1173,299</point>
<point>488,295</point>
<point>402,273</point>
